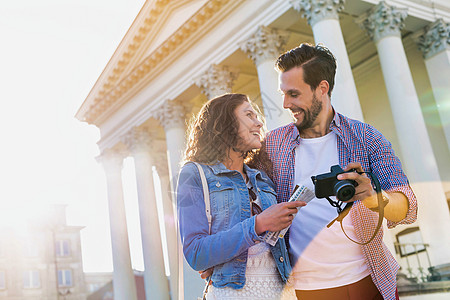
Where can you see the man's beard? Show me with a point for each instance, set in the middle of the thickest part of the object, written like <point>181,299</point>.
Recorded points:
<point>309,115</point>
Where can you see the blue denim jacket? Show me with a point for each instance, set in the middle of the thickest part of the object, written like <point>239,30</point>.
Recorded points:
<point>232,228</point>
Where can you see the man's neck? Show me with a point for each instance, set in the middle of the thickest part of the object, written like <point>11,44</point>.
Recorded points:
<point>321,126</point>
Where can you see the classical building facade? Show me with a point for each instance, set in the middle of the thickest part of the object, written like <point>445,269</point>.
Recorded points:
<point>393,72</point>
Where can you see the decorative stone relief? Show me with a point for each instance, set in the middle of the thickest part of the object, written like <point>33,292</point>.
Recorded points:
<point>266,44</point>
<point>217,80</point>
<point>315,11</point>
<point>171,114</point>
<point>112,160</point>
<point>434,38</point>
<point>383,20</point>
<point>138,139</point>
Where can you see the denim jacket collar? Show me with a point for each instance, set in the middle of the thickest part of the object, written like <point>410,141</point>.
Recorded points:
<point>220,168</point>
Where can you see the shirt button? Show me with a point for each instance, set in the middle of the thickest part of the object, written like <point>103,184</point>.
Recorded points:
<point>281,258</point>
<point>218,184</point>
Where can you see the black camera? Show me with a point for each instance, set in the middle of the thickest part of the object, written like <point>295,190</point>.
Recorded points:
<point>327,185</point>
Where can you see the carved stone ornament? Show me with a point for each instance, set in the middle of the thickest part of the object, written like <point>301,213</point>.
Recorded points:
<point>217,80</point>
<point>266,44</point>
<point>315,11</point>
<point>383,20</point>
<point>171,115</point>
<point>112,160</point>
<point>138,139</point>
<point>435,38</point>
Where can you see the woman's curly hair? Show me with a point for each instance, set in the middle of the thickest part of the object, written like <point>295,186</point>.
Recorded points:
<point>214,131</point>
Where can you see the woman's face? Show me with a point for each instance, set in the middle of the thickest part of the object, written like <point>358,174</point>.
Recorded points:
<point>250,135</point>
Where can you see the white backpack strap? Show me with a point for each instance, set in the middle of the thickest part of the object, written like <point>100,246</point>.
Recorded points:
<point>205,194</point>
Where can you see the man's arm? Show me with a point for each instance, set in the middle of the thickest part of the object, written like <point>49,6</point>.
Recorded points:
<point>395,210</point>
<point>397,207</point>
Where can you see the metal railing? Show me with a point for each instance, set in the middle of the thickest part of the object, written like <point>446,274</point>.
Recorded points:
<point>418,265</point>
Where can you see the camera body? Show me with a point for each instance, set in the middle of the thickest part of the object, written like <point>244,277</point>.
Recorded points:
<point>327,184</point>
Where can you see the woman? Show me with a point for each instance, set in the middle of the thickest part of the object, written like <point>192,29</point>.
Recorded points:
<point>243,204</point>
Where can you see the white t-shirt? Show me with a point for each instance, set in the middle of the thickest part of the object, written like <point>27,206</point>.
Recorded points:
<point>323,257</point>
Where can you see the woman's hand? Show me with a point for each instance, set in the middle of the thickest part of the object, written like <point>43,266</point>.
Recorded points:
<point>277,217</point>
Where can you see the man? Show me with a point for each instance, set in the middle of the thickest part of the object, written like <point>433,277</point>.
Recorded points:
<point>326,264</point>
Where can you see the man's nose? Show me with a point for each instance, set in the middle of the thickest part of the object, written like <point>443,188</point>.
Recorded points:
<point>286,102</point>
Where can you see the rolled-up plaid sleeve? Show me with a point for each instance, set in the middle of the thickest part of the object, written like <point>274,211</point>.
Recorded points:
<point>388,168</point>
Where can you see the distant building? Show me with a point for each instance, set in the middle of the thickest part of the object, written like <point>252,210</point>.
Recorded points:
<point>42,261</point>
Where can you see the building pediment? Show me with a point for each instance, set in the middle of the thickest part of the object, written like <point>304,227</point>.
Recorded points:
<point>159,26</point>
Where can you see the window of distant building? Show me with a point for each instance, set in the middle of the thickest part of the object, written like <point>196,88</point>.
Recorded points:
<point>2,280</point>
<point>64,278</point>
<point>31,279</point>
<point>62,248</point>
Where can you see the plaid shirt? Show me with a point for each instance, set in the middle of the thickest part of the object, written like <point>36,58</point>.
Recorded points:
<point>356,142</point>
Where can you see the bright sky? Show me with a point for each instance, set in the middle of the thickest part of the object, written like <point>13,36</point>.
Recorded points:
<point>52,52</point>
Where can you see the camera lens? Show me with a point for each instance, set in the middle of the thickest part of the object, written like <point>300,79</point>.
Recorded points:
<point>344,190</point>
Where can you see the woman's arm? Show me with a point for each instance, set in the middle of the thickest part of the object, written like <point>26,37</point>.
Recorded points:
<point>201,249</point>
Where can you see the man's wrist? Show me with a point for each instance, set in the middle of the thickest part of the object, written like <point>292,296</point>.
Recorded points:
<point>385,197</point>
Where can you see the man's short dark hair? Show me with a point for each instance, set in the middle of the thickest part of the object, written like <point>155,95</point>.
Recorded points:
<point>317,62</point>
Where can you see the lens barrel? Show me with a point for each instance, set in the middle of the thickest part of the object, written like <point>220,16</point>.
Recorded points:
<point>344,190</point>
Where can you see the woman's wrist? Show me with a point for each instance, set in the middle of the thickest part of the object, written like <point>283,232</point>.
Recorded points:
<point>259,225</point>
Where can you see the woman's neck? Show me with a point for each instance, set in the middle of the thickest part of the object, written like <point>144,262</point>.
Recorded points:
<point>235,161</point>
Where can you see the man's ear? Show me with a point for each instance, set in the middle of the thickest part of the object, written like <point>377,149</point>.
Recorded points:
<point>324,86</point>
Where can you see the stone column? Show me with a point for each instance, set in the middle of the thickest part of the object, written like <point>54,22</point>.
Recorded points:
<point>324,20</point>
<point>264,47</point>
<point>124,284</point>
<point>434,42</point>
<point>169,207</point>
<point>138,141</point>
<point>172,117</point>
<point>383,24</point>
<point>217,80</point>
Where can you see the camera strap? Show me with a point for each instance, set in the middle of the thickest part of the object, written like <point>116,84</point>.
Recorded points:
<point>342,212</point>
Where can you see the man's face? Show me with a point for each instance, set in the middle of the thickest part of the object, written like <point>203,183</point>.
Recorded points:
<point>299,99</point>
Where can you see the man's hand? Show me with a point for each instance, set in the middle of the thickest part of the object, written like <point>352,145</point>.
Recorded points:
<point>277,217</point>
<point>364,190</point>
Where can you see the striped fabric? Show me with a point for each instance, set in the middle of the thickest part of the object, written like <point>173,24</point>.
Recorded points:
<point>357,142</point>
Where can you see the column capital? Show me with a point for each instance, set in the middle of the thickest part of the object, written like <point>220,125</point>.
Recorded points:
<point>112,159</point>
<point>266,43</point>
<point>434,38</point>
<point>217,80</point>
<point>138,140</point>
<point>314,11</point>
<point>383,20</point>
<point>172,114</point>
